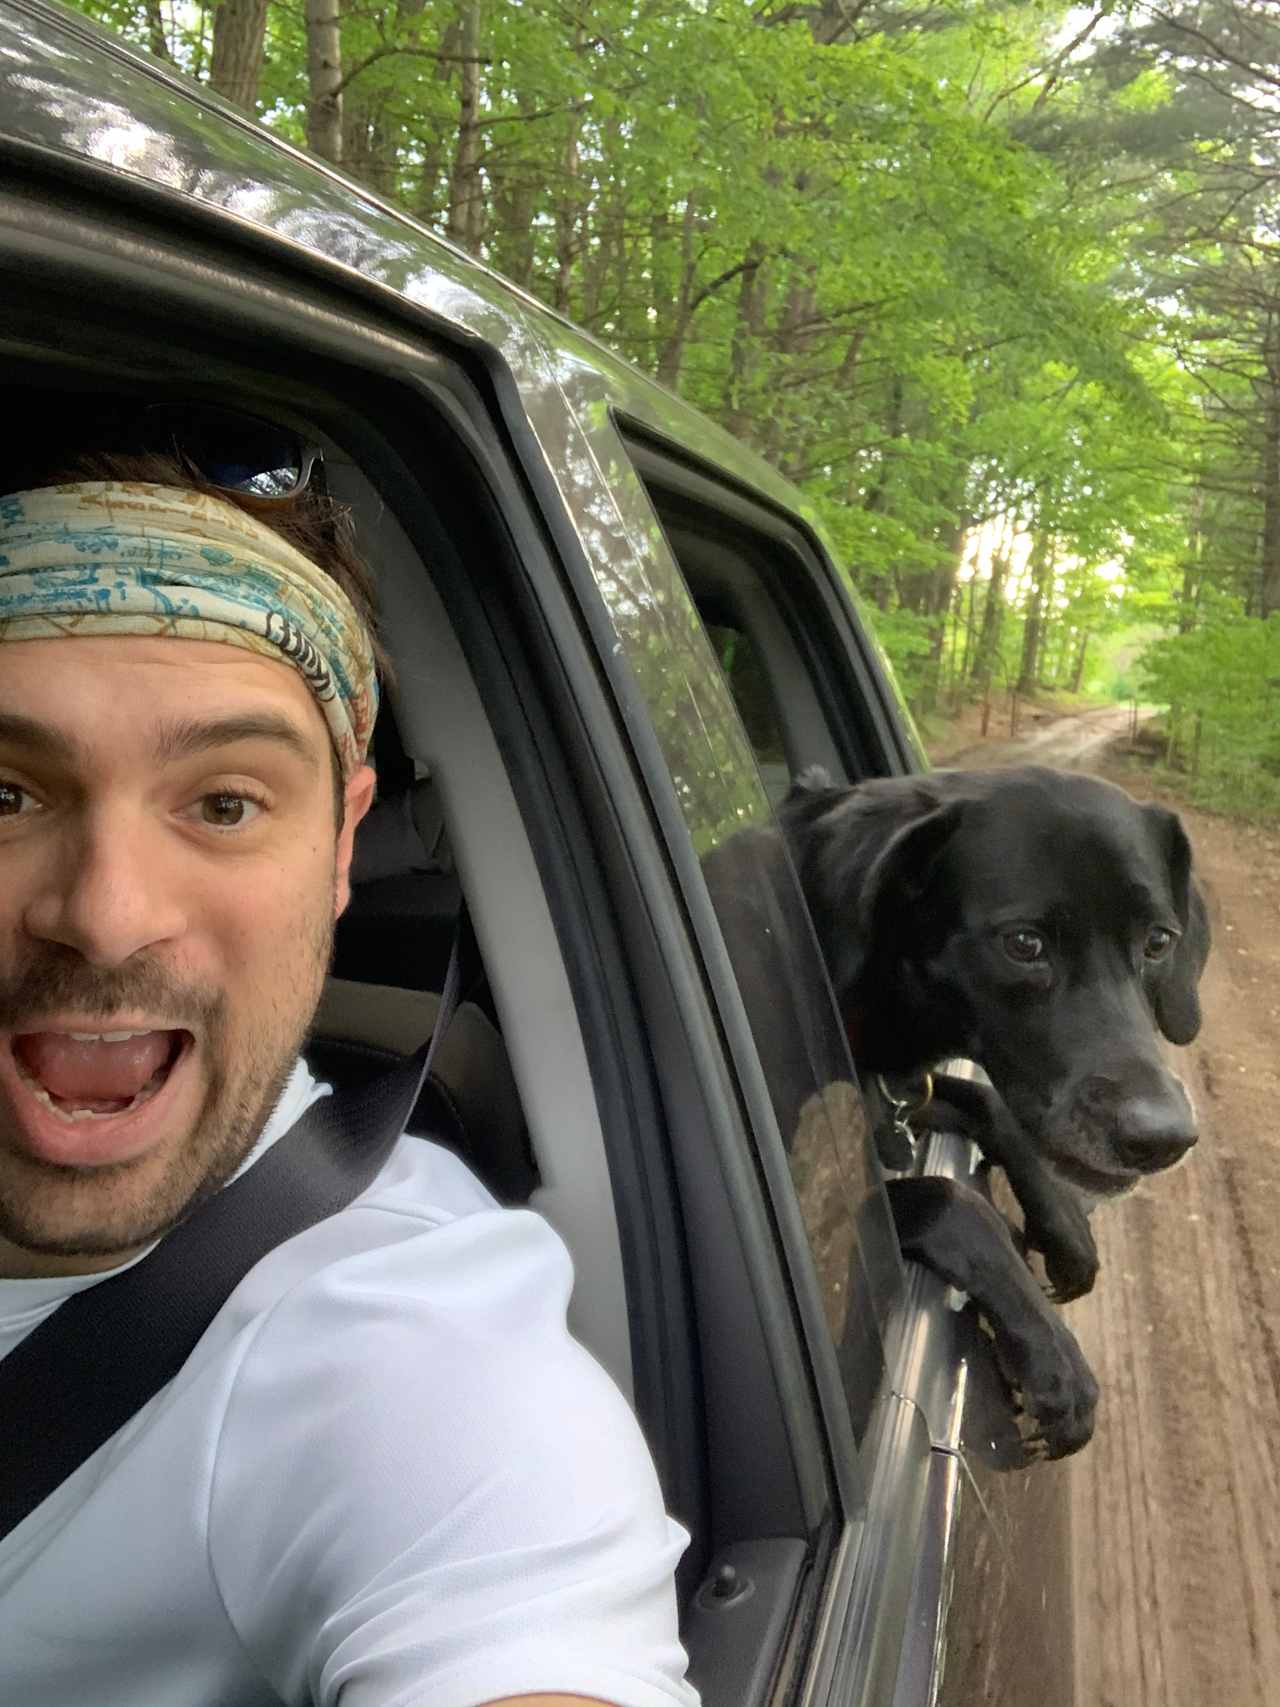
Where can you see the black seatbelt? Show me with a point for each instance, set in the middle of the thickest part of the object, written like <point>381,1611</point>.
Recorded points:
<point>449,995</point>
<point>79,1377</point>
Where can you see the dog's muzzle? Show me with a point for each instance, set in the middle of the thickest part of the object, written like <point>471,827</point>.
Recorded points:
<point>1110,1131</point>
<point>1155,1131</point>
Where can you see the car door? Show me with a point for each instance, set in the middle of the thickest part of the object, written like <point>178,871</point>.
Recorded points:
<point>990,1613</point>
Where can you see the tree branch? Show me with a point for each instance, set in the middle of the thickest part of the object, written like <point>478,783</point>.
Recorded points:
<point>409,51</point>
<point>1180,27</point>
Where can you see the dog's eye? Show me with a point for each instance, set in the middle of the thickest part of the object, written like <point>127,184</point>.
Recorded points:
<point>1025,947</point>
<point>1159,942</point>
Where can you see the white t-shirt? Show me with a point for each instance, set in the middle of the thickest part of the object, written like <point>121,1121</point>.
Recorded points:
<point>386,1477</point>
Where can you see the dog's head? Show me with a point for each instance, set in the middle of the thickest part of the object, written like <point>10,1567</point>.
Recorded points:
<point>1039,922</point>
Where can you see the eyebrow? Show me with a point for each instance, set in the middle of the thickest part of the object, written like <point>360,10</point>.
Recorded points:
<point>178,738</point>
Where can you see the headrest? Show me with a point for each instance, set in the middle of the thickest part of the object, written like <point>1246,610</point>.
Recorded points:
<point>471,1068</point>
<point>402,834</point>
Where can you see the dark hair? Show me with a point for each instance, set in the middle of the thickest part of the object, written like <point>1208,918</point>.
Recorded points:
<point>311,521</point>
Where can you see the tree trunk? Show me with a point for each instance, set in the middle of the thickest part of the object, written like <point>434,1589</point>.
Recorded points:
<point>157,41</point>
<point>465,221</point>
<point>1077,675</point>
<point>1191,567</point>
<point>671,352</point>
<point>744,350</point>
<point>239,27</point>
<point>324,74</point>
<point>371,140</point>
<point>565,214</point>
<point>988,650</point>
<point>605,260</point>
<point>1066,644</point>
<point>425,199</point>
<point>1269,578</point>
<point>875,499</point>
<point>955,539</point>
<point>373,133</point>
<point>970,629</point>
<point>566,222</point>
<point>1033,634</point>
<point>940,604</point>
<point>511,227</point>
<point>788,337</point>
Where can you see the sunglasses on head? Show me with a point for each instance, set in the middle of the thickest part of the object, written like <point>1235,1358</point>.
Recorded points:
<point>229,448</point>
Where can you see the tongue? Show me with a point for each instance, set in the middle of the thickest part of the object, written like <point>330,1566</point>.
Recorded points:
<point>84,1073</point>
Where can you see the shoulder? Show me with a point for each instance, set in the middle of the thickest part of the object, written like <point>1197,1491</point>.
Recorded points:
<point>415,1450</point>
<point>422,1333</point>
<point>422,1190</point>
<point>425,1255</point>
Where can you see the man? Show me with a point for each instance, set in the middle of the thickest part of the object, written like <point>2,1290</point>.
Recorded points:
<point>386,1476</point>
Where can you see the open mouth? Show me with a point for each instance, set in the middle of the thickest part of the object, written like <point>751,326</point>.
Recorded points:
<point>96,1076</point>
<point>73,1097</point>
<point>1093,1180</point>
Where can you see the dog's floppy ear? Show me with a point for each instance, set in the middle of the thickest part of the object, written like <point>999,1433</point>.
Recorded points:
<point>865,852</point>
<point>901,869</point>
<point>1175,997</point>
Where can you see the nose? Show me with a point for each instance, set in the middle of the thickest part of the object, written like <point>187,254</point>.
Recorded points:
<point>104,892</point>
<point>1156,1130</point>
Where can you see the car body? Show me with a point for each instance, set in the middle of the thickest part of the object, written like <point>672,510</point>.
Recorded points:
<point>617,634</point>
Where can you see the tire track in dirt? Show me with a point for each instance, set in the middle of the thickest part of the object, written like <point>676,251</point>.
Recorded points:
<point>1230,1173</point>
<point>1176,1503</point>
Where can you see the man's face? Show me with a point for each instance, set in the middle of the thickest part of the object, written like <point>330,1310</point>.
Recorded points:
<point>169,881</point>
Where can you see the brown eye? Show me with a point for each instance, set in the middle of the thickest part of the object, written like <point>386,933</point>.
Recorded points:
<point>1026,947</point>
<point>225,811</point>
<point>1159,942</point>
<point>12,800</point>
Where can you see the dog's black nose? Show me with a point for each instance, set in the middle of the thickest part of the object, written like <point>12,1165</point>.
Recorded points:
<point>1154,1131</point>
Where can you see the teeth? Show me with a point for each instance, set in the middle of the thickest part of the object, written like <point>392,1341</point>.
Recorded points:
<point>144,1095</point>
<point>43,1096</point>
<point>105,1036</point>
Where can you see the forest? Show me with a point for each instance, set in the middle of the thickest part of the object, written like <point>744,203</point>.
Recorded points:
<point>996,282</point>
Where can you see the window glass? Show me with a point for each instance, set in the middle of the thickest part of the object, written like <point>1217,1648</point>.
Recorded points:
<point>739,657</point>
<point>820,1113</point>
<point>779,972</point>
<point>743,667</point>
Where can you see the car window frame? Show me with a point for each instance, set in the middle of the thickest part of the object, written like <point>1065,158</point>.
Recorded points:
<point>940,1365</point>
<point>847,666</point>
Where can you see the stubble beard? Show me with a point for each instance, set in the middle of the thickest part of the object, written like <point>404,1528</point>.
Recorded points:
<point>56,1211</point>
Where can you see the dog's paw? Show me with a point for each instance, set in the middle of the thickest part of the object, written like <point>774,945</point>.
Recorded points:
<point>1061,1233</point>
<point>1054,1387</point>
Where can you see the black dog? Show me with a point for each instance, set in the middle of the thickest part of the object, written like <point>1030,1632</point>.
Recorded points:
<point>1042,924</point>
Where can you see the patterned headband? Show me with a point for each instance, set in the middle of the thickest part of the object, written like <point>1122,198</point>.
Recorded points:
<point>108,557</point>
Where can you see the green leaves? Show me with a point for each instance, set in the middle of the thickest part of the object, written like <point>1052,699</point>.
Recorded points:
<point>978,265</point>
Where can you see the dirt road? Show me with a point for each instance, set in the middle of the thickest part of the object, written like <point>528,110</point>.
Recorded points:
<point>1176,1504</point>
<point>1074,743</point>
